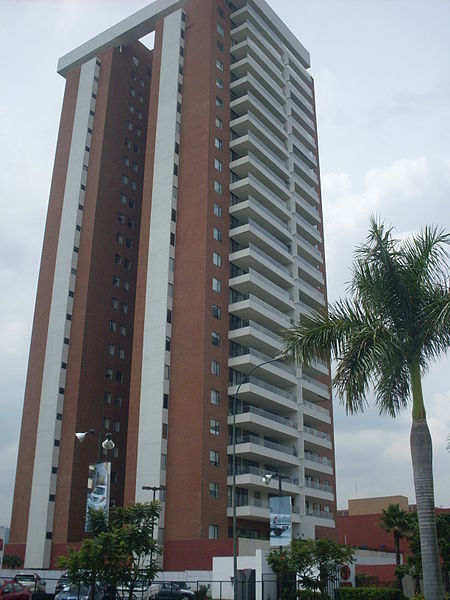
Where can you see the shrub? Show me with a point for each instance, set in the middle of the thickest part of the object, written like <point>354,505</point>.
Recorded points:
<point>202,593</point>
<point>369,593</point>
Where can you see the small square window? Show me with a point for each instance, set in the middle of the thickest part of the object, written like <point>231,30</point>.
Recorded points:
<point>214,458</point>
<point>126,161</point>
<point>113,326</point>
<point>125,308</point>
<point>215,397</point>
<point>220,11</point>
<point>167,372</point>
<point>107,398</point>
<point>109,374</point>
<point>220,29</point>
<point>214,427</point>
<point>215,367</point>
<point>105,423</point>
<point>118,401</point>
<point>132,92</point>
<point>119,238</point>
<point>111,349</point>
<point>116,281</point>
<point>219,83</point>
<point>213,532</point>
<point>217,234</point>
<point>216,312</point>
<point>165,400</point>
<point>219,102</point>
<point>168,340</point>
<point>218,143</point>
<point>215,338</point>
<point>216,285</point>
<point>123,330</point>
<point>220,47</point>
<point>119,377</point>
<point>219,123</point>
<point>117,426</point>
<point>214,489</point>
<point>218,187</point>
<point>114,303</point>
<point>217,210</point>
<point>217,259</point>
<point>218,165</point>
<point>125,286</point>
<point>121,353</point>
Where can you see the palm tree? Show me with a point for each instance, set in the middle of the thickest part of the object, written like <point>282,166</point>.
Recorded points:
<point>397,521</point>
<point>395,322</point>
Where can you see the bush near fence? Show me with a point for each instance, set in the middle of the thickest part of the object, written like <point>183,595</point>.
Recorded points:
<point>370,593</point>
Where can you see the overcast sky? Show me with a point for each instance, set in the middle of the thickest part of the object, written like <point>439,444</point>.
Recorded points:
<point>382,77</point>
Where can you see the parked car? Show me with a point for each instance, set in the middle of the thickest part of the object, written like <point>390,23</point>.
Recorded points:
<point>14,590</point>
<point>141,591</point>
<point>175,590</point>
<point>62,583</point>
<point>78,592</point>
<point>97,498</point>
<point>32,581</point>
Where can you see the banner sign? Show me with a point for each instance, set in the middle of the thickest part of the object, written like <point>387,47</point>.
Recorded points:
<point>99,481</point>
<point>280,521</point>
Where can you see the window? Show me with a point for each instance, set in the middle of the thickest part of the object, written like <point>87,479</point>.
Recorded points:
<point>124,308</point>
<point>129,243</point>
<point>219,83</point>
<point>109,374</point>
<point>219,65</point>
<point>172,239</point>
<point>215,338</point>
<point>214,458</point>
<point>219,46</point>
<point>121,353</point>
<point>131,203</point>
<point>138,131</point>
<point>215,367</point>
<point>111,349</point>
<point>217,210</point>
<point>216,285</point>
<point>117,426</point>
<point>168,340</point>
<point>126,161</point>
<point>215,397</point>
<point>135,61</point>
<point>218,143</point>
<point>174,215</point>
<point>105,423</point>
<point>135,166</point>
<point>216,312</point>
<point>217,259</point>
<point>218,165</point>
<point>214,427</point>
<point>219,102</point>
<point>219,123</point>
<point>107,398</point>
<point>169,316</point>
<point>113,326</point>
<point>119,238</point>
<point>121,218</point>
<point>217,234</point>
<point>119,377</point>
<point>127,265</point>
<point>116,452</point>
<point>164,431</point>
<point>133,185</point>
<point>167,372</point>
<point>170,290</point>
<point>116,281</point>
<point>123,330</point>
<point>213,489</point>
<point>114,303</point>
<point>218,187</point>
<point>213,532</point>
<point>127,141</point>
<point>117,259</point>
<point>220,29</point>
<point>132,92</point>
<point>63,365</point>
<point>171,264</point>
<point>220,11</point>
<point>165,400</point>
<point>131,109</point>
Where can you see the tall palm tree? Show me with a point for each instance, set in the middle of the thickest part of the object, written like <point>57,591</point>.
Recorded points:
<point>396,320</point>
<point>397,521</point>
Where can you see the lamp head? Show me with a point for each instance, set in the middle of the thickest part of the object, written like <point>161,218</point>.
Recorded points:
<point>80,436</point>
<point>267,478</point>
<point>108,444</point>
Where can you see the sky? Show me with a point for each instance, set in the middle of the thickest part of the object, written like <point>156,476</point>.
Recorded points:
<point>382,77</point>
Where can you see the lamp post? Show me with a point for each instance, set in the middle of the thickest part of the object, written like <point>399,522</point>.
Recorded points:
<point>106,443</point>
<point>269,476</point>
<point>154,489</point>
<point>245,379</point>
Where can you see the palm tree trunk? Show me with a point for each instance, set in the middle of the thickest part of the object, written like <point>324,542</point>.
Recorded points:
<point>397,559</point>
<point>422,455</point>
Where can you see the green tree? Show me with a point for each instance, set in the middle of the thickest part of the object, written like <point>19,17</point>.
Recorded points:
<point>397,521</point>
<point>443,533</point>
<point>395,322</point>
<point>317,563</point>
<point>120,553</point>
<point>12,561</point>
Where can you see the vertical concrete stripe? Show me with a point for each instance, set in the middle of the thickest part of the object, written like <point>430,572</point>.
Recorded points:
<point>41,511</point>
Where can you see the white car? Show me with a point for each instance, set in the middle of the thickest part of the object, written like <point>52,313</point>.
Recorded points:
<point>97,498</point>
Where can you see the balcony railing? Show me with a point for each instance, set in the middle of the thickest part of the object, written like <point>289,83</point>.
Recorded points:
<point>317,485</point>
<point>322,386</point>
<point>316,408</point>
<point>264,413</point>
<point>322,460</point>
<point>253,439</point>
<point>322,514</point>
<point>316,433</point>
<point>248,470</point>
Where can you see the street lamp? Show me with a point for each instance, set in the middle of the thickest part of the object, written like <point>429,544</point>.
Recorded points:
<point>245,379</point>
<point>269,476</point>
<point>106,443</point>
<point>154,489</point>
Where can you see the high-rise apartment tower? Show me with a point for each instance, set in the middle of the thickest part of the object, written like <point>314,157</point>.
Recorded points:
<point>184,233</point>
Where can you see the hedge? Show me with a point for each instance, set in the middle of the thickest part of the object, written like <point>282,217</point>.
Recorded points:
<point>369,593</point>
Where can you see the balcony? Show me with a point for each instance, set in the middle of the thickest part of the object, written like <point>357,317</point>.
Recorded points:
<point>266,395</point>
<point>252,164</point>
<point>300,117</point>
<point>276,373</point>
<point>318,463</point>
<point>299,84</point>
<point>314,296</point>
<point>257,510</point>
<point>306,210</point>
<point>251,123</point>
<point>254,257</point>
<point>308,192</point>
<point>249,83</point>
<point>316,489</point>
<point>250,142</point>
<point>254,335</point>
<point>251,186</point>
<point>302,135</point>
<point>305,171</point>
<point>316,412</point>
<point>248,104</point>
<point>260,421</point>
<point>263,29</point>
<point>316,437</point>
<point>249,231</point>
<point>256,284</point>
<point>255,309</point>
<point>257,449</point>
<point>300,102</point>
<point>319,388</point>
<point>305,248</point>
<point>254,210</point>
<point>321,514</point>
<point>310,272</point>
<point>265,75</point>
<point>247,31</point>
<point>307,230</point>
<point>301,149</point>
<point>251,477</point>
